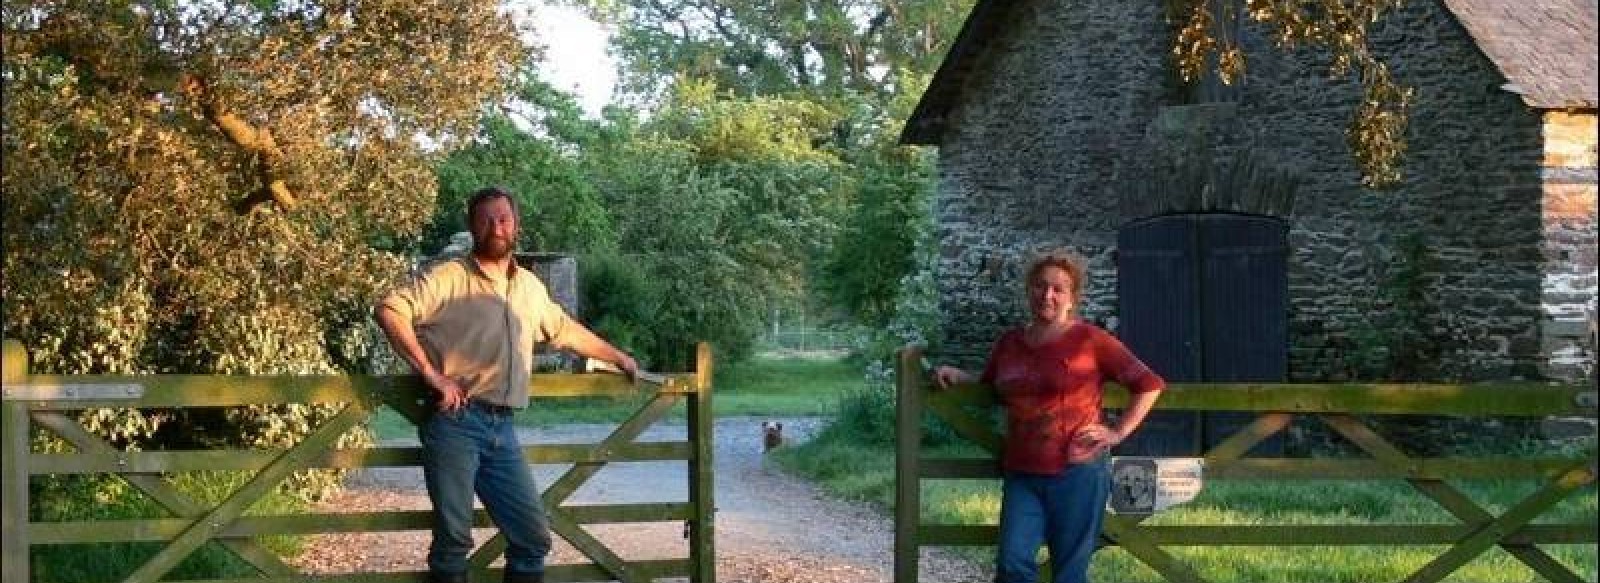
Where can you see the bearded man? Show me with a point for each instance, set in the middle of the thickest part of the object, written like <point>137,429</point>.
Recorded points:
<point>469,327</point>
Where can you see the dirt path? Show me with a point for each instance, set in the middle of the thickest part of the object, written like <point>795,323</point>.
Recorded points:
<point>771,527</point>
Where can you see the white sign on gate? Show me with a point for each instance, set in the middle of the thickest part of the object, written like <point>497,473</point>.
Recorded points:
<point>1144,485</point>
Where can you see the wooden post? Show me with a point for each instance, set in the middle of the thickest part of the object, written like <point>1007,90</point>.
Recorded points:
<point>908,452</point>
<point>14,467</point>
<point>702,485</point>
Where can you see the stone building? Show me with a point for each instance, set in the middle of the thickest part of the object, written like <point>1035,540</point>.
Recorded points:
<point>1062,123</point>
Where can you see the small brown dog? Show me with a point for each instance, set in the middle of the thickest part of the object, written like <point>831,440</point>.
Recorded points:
<point>771,435</point>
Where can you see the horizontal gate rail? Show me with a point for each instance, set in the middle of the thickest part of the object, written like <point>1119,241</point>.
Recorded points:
<point>45,402</point>
<point>63,392</point>
<point>1512,399</point>
<point>968,408</point>
<point>251,460</point>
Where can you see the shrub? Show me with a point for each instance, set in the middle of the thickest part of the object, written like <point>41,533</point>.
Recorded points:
<point>621,302</point>
<point>105,498</point>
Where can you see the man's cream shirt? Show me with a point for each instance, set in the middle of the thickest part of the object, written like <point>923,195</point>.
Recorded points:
<point>480,329</point>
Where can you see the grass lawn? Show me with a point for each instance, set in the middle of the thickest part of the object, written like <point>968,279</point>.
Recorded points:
<point>768,385</point>
<point>842,463</point>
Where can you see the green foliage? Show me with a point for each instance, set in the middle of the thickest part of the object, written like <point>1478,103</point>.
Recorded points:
<point>689,224</point>
<point>536,152</point>
<point>867,414</point>
<point>704,292</point>
<point>720,206</point>
<point>775,47</point>
<point>769,126</point>
<point>880,267</point>
<point>620,302</point>
<point>865,62</point>
<point>205,188</point>
<point>914,319</point>
<point>171,171</point>
<point>876,245</point>
<point>104,498</point>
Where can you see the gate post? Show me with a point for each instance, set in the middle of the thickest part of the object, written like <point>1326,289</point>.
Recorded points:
<point>702,532</point>
<point>908,452</point>
<point>14,466</point>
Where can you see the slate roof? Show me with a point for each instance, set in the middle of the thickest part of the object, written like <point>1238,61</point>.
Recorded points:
<point>1545,48</point>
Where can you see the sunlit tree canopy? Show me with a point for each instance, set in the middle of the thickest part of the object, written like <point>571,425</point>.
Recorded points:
<point>211,186</point>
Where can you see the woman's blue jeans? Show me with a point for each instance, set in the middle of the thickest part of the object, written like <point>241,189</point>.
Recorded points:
<point>1062,511</point>
<point>474,449</point>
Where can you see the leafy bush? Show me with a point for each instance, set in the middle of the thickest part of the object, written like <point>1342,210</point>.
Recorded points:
<point>620,300</point>
<point>543,168</point>
<point>234,224</point>
<point>867,415</point>
<point>106,498</point>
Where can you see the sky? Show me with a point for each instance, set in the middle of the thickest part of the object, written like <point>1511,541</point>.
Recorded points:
<point>575,54</point>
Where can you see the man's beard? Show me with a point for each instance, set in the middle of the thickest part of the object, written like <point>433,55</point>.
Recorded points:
<point>493,249</point>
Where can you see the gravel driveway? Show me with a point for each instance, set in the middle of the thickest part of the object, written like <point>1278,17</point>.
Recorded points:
<point>771,527</point>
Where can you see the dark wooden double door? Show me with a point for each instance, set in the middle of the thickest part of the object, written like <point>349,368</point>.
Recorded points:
<point>1203,298</point>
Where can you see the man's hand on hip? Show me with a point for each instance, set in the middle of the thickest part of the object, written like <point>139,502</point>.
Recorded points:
<point>451,395</point>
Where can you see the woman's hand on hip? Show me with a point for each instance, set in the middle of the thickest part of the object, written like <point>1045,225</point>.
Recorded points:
<point>1098,437</point>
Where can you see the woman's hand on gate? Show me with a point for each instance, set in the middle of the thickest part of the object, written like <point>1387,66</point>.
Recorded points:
<point>945,376</point>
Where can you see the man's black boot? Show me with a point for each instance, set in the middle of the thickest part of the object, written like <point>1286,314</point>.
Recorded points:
<point>448,578</point>
<point>524,577</point>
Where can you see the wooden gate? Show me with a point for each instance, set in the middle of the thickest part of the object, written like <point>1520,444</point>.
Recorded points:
<point>45,402</point>
<point>1476,529</point>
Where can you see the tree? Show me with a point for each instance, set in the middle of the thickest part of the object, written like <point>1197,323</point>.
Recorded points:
<point>200,187</point>
<point>719,202</point>
<point>535,149</point>
<point>864,61</point>
<point>779,47</point>
<point>208,176</point>
<point>1376,134</point>
<point>875,250</point>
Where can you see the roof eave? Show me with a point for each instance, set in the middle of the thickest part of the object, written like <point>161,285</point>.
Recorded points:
<point>927,122</point>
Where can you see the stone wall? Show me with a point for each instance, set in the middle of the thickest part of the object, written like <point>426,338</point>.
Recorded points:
<point>559,272</point>
<point>1030,156</point>
<point>1057,114</point>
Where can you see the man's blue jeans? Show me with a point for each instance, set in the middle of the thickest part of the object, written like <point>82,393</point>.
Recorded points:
<point>475,449</point>
<point>1062,511</point>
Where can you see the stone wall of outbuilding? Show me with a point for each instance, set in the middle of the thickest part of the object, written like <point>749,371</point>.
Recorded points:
<point>1055,122</point>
